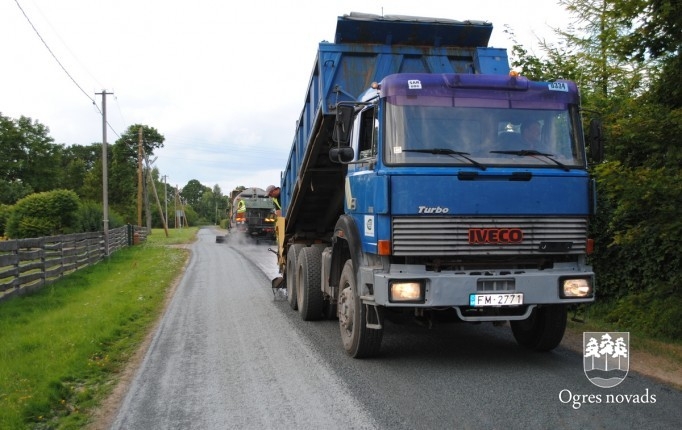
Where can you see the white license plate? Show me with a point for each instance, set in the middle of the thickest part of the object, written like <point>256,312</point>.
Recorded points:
<point>478,300</point>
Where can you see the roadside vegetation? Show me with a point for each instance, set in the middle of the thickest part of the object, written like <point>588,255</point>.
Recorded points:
<point>595,318</point>
<point>625,57</point>
<point>64,346</point>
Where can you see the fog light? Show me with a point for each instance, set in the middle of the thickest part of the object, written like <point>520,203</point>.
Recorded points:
<point>577,288</point>
<point>406,291</point>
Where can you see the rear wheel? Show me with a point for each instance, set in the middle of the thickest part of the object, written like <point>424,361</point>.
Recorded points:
<point>309,289</point>
<point>358,340</point>
<point>292,259</point>
<point>543,329</point>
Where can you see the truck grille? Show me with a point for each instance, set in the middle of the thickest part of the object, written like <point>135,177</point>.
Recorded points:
<point>449,236</point>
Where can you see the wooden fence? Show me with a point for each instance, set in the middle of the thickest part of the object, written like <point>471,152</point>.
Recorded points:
<point>29,264</point>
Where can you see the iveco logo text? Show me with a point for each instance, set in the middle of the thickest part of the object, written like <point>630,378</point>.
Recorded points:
<point>495,235</point>
<point>432,210</point>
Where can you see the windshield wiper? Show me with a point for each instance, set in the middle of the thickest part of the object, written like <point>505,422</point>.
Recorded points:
<point>533,153</point>
<point>450,152</point>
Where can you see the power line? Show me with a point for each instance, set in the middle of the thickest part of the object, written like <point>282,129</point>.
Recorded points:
<point>62,66</point>
<point>55,57</point>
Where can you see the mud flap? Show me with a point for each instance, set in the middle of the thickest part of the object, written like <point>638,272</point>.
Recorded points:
<point>279,288</point>
<point>373,320</point>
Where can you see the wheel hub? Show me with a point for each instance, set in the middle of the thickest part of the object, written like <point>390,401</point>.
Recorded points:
<point>346,309</point>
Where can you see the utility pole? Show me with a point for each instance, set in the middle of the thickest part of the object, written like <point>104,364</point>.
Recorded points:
<point>139,177</point>
<point>165,198</point>
<point>105,179</point>
<point>175,201</point>
<point>150,178</point>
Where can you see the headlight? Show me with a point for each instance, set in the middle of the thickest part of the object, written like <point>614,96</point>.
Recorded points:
<point>406,291</point>
<point>580,287</point>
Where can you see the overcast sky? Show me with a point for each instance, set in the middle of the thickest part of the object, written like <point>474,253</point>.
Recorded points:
<point>224,82</point>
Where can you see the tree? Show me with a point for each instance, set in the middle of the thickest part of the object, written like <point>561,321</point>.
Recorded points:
<point>221,203</point>
<point>192,193</point>
<point>659,32</point>
<point>41,161</point>
<point>620,349</point>
<point>606,349</point>
<point>28,157</point>
<point>83,170</point>
<point>592,350</point>
<point>11,150</point>
<point>11,192</point>
<point>657,35</point>
<point>625,56</point>
<point>589,52</point>
<point>123,176</point>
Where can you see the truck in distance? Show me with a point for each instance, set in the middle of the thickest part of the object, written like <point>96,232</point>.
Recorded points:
<point>258,218</point>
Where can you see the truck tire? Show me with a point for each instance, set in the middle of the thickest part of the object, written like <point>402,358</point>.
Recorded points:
<point>328,303</point>
<point>309,291</point>
<point>292,259</point>
<point>358,340</point>
<point>543,329</point>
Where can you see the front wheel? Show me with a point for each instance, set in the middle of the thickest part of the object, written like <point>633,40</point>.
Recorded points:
<point>358,340</point>
<point>543,329</point>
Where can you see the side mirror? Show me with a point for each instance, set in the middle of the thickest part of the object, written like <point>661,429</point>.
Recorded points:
<point>343,124</point>
<point>595,140</point>
<point>342,154</point>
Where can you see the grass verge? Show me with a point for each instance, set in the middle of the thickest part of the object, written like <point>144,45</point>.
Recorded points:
<point>63,347</point>
<point>594,320</point>
<point>657,358</point>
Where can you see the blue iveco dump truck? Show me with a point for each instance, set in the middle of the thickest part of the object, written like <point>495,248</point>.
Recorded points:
<point>411,191</point>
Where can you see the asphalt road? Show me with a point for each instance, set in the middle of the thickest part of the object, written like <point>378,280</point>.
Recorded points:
<point>229,355</point>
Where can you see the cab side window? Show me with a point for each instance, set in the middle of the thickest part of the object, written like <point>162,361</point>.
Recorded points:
<point>367,147</point>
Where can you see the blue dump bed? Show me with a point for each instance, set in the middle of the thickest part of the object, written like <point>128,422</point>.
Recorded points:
<point>366,49</point>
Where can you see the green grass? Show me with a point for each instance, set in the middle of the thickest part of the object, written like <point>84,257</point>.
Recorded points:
<point>61,349</point>
<point>594,319</point>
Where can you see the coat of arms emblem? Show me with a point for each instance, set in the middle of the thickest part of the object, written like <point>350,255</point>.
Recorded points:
<point>606,357</point>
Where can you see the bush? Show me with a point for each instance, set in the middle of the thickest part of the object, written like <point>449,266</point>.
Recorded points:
<point>44,214</point>
<point>653,315</point>
<point>637,260</point>
<point>5,210</point>
<point>90,217</point>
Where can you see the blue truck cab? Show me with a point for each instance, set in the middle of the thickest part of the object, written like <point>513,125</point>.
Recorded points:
<point>425,178</point>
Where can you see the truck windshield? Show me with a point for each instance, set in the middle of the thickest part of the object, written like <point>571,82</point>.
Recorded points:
<point>492,136</point>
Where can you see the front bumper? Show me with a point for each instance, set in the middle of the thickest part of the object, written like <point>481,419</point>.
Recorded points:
<point>454,288</point>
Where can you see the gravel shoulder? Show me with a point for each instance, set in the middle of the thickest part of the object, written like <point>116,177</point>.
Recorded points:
<point>105,415</point>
